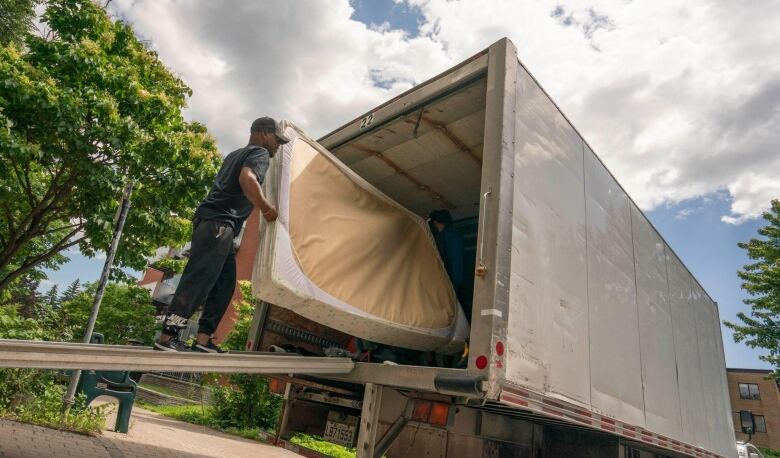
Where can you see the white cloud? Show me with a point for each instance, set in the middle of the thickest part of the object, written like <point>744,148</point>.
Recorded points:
<point>750,188</point>
<point>684,213</point>
<point>304,61</point>
<point>679,99</point>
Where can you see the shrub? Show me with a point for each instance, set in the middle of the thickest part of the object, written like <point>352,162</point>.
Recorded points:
<point>33,395</point>
<point>126,312</point>
<point>45,409</point>
<point>15,326</point>
<point>244,402</point>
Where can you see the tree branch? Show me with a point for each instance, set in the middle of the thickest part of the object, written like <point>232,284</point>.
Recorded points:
<point>31,262</point>
<point>35,221</point>
<point>25,184</point>
<point>37,29</point>
<point>10,217</point>
<point>80,225</point>
<point>27,179</point>
<point>29,220</point>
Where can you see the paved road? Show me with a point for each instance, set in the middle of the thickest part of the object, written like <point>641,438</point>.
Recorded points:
<point>151,436</point>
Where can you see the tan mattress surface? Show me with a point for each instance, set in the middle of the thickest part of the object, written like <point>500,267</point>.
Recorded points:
<point>361,249</point>
<point>345,255</point>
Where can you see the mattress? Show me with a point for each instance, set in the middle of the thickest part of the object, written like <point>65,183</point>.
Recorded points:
<point>345,255</point>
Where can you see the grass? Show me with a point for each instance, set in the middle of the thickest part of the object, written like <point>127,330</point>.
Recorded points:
<point>196,414</point>
<point>201,415</point>
<point>769,453</point>
<point>160,389</point>
<point>322,446</point>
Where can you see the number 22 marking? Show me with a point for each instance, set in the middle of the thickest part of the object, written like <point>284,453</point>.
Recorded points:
<point>366,121</point>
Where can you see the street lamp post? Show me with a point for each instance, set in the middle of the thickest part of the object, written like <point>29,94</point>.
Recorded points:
<point>119,223</point>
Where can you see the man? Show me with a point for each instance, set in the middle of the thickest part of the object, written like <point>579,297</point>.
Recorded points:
<point>209,277</point>
<point>450,245</point>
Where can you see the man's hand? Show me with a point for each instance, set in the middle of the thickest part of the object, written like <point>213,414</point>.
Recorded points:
<point>270,214</point>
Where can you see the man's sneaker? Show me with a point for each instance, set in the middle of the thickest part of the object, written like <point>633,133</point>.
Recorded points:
<point>171,345</point>
<point>208,347</point>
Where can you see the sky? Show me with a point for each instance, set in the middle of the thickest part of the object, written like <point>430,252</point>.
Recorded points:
<point>681,100</point>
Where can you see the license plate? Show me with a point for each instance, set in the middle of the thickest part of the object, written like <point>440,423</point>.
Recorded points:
<point>339,433</point>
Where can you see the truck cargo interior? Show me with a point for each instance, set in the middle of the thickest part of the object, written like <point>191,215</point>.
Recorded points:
<point>430,158</point>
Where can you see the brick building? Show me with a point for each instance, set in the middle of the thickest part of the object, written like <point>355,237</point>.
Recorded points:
<point>750,390</point>
<point>162,285</point>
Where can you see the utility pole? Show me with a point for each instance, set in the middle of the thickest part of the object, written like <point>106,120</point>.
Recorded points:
<point>119,223</point>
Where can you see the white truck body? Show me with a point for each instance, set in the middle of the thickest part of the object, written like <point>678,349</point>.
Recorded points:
<point>582,314</point>
<point>602,314</point>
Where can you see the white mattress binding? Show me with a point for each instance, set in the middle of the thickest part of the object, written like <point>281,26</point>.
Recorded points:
<point>279,278</point>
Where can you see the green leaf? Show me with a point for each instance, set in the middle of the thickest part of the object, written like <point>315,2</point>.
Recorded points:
<point>72,124</point>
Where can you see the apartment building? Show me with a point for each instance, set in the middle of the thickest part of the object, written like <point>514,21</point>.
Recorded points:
<point>750,389</point>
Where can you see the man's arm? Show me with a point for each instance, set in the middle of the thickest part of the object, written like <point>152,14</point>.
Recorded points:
<point>254,193</point>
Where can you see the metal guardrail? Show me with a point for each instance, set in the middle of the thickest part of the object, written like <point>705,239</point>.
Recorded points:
<point>62,355</point>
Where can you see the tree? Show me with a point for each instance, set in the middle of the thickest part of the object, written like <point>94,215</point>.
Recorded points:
<point>170,265</point>
<point>126,313</point>
<point>71,291</point>
<point>45,311</point>
<point>52,297</point>
<point>23,293</point>
<point>761,279</point>
<point>238,336</point>
<point>16,18</point>
<point>15,326</point>
<point>80,114</point>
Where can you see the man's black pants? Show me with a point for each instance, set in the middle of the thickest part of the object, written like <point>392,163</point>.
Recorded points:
<point>209,278</point>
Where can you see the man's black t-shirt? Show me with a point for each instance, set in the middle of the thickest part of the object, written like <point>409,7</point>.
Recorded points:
<point>226,200</point>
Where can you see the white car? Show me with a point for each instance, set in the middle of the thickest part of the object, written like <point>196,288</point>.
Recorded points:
<point>748,450</point>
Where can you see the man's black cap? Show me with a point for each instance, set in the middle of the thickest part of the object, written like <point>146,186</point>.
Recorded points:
<point>266,124</point>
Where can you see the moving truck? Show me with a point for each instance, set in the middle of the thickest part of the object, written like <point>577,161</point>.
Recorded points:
<point>589,337</point>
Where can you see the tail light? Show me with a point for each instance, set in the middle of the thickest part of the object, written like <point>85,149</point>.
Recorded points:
<point>434,413</point>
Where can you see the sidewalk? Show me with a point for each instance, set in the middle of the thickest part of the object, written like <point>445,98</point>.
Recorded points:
<point>151,436</point>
